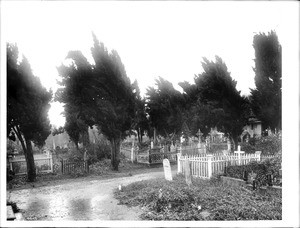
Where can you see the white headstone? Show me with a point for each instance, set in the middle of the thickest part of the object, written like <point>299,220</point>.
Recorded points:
<point>151,144</point>
<point>167,170</point>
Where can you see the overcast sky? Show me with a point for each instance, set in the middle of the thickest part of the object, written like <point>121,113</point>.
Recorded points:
<point>167,39</point>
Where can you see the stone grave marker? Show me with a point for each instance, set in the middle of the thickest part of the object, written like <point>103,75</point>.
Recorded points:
<point>187,172</point>
<point>167,170</point>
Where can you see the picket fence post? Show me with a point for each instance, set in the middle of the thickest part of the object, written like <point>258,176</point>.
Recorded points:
<point>209,165</point>
<point>257,154</point>
<point>132,154</point>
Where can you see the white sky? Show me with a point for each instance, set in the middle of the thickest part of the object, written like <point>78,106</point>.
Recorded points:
<point>154,39</point>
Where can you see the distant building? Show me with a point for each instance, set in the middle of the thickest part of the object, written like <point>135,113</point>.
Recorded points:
<point>252,129</point>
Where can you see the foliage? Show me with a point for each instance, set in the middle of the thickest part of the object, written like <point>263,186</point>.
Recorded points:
<point>100,167</point>
<point>268,145</point>
<point>261,169</point>
<point>27,107</point>
<point>57,131</point>
<point>75,79</point>
<point>99,94</point>
<point>266,97</point>
<point>141,122</point>
<point>165,200</point>
<point>165,108</point>
<point>215,101</point>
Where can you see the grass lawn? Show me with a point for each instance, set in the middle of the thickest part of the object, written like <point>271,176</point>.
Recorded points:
<point>204,200</point>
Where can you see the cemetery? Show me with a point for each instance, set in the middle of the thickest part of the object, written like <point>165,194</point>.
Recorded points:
<point>201,151</point>
<point>212,186</point>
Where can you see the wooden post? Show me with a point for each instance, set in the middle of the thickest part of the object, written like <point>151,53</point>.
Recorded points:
<point>209,165</point>
<point>178,163</point>
<point>11,165</point>
<point>180,149</point>
<point>132,155</point>
<point>51,163</point>
<point>187,173</point>
<point>62,166</point>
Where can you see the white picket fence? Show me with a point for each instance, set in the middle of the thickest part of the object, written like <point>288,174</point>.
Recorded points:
<point>206,165</point>
<point>43,164</point>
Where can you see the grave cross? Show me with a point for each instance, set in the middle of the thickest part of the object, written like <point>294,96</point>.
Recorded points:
<point>239,152</point>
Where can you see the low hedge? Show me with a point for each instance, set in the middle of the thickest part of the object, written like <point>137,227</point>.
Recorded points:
<point>261,169</point>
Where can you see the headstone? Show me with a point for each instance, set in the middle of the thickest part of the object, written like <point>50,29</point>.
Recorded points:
<point>167,170</point>
<point>151,144</point>
<point>187,172</point>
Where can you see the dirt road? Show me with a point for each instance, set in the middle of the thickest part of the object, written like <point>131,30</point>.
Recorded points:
<point>79,200</point>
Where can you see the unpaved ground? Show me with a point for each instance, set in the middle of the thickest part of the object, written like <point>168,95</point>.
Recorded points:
<point>79,199</point>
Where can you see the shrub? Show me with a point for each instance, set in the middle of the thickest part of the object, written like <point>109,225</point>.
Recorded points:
<point>268,145</point>
<point>100,167</point>
<point>261,169</point>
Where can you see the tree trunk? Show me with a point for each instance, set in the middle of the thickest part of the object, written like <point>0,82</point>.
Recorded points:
<point>115,153</point>
<point>140,137</point>
<point>85,138</point>
<point>27,148</point>
<point>31,172</point>
<point>154,137</point>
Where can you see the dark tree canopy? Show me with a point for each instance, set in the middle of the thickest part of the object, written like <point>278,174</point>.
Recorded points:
<point>165,108</point>
<point>141,122</point>
<point>266,97</point>
<point>99,94</point>
<point>74,96</point>
<point>216,101</point>
<point>27,107</point>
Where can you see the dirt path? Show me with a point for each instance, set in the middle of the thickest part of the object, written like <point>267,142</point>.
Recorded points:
<point>78,200</point>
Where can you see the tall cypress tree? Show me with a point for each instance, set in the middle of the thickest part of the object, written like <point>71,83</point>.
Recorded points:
<point>266,97</point>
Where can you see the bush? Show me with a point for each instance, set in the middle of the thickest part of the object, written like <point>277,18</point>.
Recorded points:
<point>165,200</point>
<point>268,145</point>
<point>261,169</point>
<point>100,167</point>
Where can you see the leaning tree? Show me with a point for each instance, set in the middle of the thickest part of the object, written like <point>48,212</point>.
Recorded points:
<point>99,94</point>
<point>27,107</point>
<point>218,104</point>
<point>165,107</point>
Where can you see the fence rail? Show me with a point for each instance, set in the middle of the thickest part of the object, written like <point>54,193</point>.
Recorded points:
<point>43,164</point>
<point>206,165</point>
